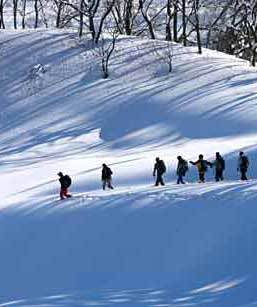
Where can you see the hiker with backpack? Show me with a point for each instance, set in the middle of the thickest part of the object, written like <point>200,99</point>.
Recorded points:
<point>202,166</point>
<point>243,164</point>
<point>65,182</point>
<point>160,169</point>
<point>106,177</point>
<point>182,168</point>
<point>219,165</point>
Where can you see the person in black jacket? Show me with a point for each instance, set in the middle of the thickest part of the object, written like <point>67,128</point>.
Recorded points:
<point>182,168</point>
<point>160,169</point>
<point>106,177</point>
<point>219,165</point>
<point>243,164</point>
<point>65,182</point>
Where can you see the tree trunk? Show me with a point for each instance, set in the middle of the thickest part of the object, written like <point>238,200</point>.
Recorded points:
<point>15,5</point>
<point>184,22</point>
<point>24,13</point>
<point>59,14</point>
<point>168,21</point>
<point>2,25</point>
<point>254,54</point>
<point>147,19</point>
<point>36,14</point>
<point>81,18</point>
<point>100,29</point>
<point>118,19</point>
<point>92,27</point>
<point>197,26</point>
<point>93,6</point>
<point>151,30</point>
<point>128,17</point>
<point>175,22</point>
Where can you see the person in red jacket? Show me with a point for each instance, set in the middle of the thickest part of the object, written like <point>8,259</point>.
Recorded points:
<point>65,182</point>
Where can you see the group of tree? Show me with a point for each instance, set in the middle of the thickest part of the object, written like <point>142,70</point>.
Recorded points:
<point>226,25</point>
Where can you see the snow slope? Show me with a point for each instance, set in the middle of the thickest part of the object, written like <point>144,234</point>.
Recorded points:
<point>136,245</point>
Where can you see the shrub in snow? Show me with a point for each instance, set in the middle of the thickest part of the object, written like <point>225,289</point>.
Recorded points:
<point>38,70</point>
<point>104,50</point>
<point>164,53</point>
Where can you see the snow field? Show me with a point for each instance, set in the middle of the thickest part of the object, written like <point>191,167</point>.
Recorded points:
<point>191,245</point>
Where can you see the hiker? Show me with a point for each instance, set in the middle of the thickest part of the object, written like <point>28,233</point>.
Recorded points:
<point>182,168</point>
<point>243,164</point>
<point>160,169</point>
<point>202,166</point>
<point>106,177</point>
<point>219,165</point>
<point>65,182</point>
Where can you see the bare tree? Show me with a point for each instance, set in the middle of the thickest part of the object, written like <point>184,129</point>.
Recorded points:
<point>245,24</point>
<point>2,24</point>
<point>117,14</point>
<point>92,9</point>
<point>144,8</point>
<point>165,53</point>
<point>172,15</point>
<point>128,16</point>
<point>197,25</point>
<point>23,13</point>
<point>108,9</point>
<point>15,12</point>
<point>81,17</point>
<point>175,20</point>
<point>218,22</point>
<point>59,5</point>
<point>104,50</point>
<point>43,10</point>
<point>87,8</point>
<point>36,13</point>
<point>190,16</point>
<point>168,20</point>
<point>184,23</point>
<point>125,13</point>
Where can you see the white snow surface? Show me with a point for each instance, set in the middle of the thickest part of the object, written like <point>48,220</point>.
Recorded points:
<point>191,245</point>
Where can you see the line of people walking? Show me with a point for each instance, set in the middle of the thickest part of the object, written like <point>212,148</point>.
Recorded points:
<point>202,166</point>
<point>160,169</point>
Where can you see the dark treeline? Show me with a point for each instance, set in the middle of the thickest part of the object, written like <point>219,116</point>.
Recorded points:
<point>229,26</point>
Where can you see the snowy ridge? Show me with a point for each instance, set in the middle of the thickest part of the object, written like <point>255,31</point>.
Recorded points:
<point>136,245</point>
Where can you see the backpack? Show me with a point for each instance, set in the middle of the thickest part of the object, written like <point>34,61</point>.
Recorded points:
<point>220,163</point>
<point>185,166</point>
<point>182,167</point>
<point>162,167</point>
<point>108,172</point>
<point>67,181</point>
<point>203,166</point>
<point>245,162</point>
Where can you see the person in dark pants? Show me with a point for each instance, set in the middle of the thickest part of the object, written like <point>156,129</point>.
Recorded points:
<point>202,166</point>
<point>106,177</point>
<point>182,168</point>
<point>65,182</point>
<point>160,169</point>
<point>219,165</point>
<point>243,164</point>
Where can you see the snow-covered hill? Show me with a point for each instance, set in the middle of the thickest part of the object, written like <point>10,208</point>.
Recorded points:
<point>137,245</point>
